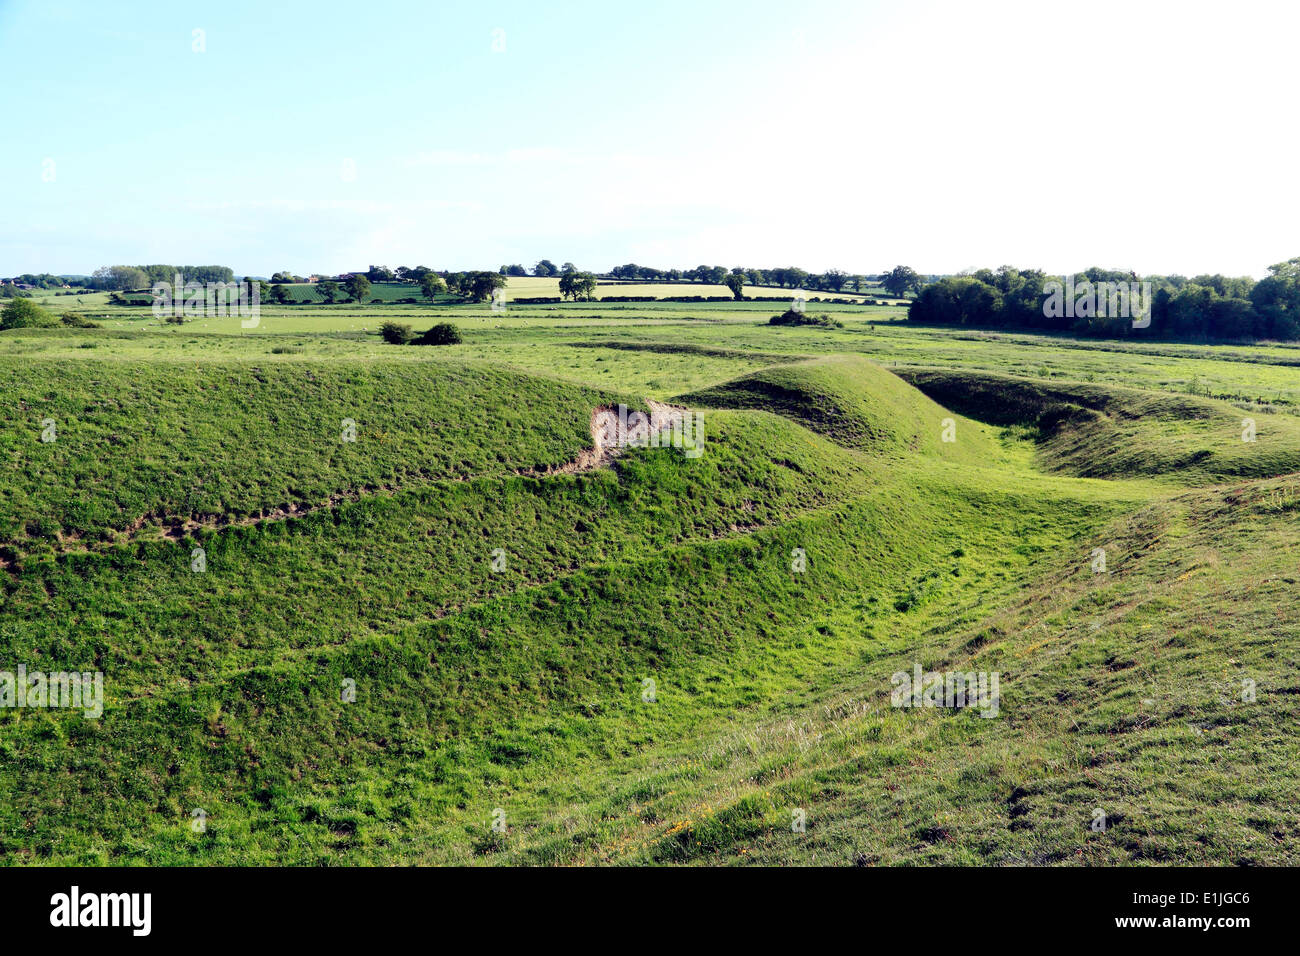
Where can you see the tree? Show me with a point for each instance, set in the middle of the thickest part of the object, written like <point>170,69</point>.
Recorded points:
<point>328,289</point>
<point>431,285</point>
<point>358,287</point>
<point>900,280</point>
<point>793,277</point>
<point>25,314</point>
<point>1276,299</point>
<point>545,268</point>
<point>834,279</point>
<point>578,285</point>
<point>123,278</point>
<point>396,334</point>
<point>279,294</point>
<point>483,284</point>
<point>568,268</point>
<point>736,283</point>
<point>444,333</point>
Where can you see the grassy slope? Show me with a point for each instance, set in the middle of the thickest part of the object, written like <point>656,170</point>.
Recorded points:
<point>1162,694</point>
<point>1106,432</point>
<point>287,609</point>
<point>523,690</point>
<point>159,441</point>
<point>847,398</point>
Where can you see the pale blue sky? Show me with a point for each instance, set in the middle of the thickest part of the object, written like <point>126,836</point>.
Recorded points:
<point>329,136</point>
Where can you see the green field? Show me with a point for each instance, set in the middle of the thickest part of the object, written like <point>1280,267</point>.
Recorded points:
<point>869,499</point>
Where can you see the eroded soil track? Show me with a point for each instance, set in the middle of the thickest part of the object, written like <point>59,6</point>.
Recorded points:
<point>613,430</point>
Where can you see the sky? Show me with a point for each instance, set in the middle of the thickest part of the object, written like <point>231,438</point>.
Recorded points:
<point>326,137</point>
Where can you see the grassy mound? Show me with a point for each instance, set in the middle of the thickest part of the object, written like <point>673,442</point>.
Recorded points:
<point>850,400</point>
<point>1146,717</point>
<point>1099,431</point>
<point>828,538</point>
<point>90,449</point>
<point>473,685</point>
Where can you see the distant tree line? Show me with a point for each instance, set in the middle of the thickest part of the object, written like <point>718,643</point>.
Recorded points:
<point>1202,307</point>
<point>474,285</point>
<point>40,280</point>
<point>130,278</point>
<point>480,286</point>
<point>791,277</point>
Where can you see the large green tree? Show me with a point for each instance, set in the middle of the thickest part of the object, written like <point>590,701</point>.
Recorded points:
<point>328,290</point>
<point>481,285</point>
<point>578,285</point>
<point>431,285</point>
<point>1276,299</point>
<point>358,287</point>
<point>124,278</point>
<point>901,280</point>
<point>834,279</point>
<point>23,313</point>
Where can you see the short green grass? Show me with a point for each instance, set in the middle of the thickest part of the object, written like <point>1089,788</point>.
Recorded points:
<point>828,537</point>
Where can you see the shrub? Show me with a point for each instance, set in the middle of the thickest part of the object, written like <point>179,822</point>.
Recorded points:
<point>444,333</point>
<point>76,321</point>
<point>793,317</point>
<point>395,333</point>
<point>25,314</point>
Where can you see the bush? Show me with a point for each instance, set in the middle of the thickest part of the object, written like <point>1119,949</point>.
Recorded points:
<point>793,317</point>
<point>396,334</point>
<point>76,321</point>
<point>25,314</point>
<point>444,333</point>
